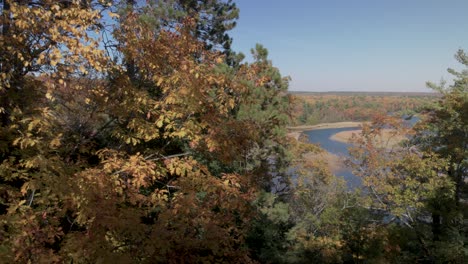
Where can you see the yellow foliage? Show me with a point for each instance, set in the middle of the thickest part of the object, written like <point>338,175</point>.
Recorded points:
<point>113,165</point>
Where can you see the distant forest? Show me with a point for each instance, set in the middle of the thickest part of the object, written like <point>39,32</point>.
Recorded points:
<point>327,107</point>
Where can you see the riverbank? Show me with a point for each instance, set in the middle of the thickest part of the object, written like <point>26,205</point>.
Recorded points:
<point>326,126</point>
<point>388,137</point>
<point>295,132</point>
<point>345,136</point>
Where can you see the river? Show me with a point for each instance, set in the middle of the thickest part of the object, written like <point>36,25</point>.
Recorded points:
<point>322,138</point>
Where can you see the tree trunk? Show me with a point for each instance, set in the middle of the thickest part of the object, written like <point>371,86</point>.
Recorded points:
<point>436,226</point>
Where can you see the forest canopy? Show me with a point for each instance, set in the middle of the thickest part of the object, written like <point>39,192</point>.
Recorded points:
<point>131,132</point>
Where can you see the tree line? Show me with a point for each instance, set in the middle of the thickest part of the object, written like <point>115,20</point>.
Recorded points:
<point>316,108</point>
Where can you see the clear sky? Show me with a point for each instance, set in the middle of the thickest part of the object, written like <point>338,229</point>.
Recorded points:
<point>356,45</point>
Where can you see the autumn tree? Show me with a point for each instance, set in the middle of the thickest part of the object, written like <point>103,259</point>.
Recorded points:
<point>96,167</point>
<point>447,124</point>
<point>42,43</point>
<point>316,202</point>
<point>445,132</point>
<point>212,19</point>
<point>420,183</point>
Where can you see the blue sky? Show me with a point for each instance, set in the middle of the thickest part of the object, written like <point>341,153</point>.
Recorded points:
<point>356,45</point>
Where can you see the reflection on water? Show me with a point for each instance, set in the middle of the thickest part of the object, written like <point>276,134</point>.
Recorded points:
<point>322,138</point>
